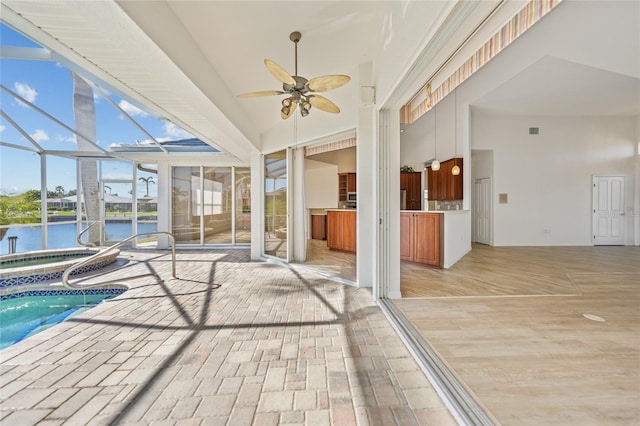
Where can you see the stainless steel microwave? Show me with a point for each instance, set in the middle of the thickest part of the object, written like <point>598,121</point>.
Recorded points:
<point>351,196</point>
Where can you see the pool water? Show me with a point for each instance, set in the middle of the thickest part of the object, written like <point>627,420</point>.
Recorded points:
<point>21,317</point>
<point>43,260</point>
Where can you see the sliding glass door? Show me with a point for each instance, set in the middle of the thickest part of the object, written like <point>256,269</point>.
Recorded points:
<point>205,205</point>
<point>275,204</point>
<point>243,204</point>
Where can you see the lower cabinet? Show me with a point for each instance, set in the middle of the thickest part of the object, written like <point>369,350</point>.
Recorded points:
<point>318,227</point>
<point>341,230</point>
<point>420,240</point>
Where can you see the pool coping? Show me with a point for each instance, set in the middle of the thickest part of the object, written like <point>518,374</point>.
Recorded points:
<point>57,289</point>
<point>28,275</point>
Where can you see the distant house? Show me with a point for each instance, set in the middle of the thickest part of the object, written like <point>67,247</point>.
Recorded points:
<point>111,203</point>
<point>148,204</point>
<point>62,203</point>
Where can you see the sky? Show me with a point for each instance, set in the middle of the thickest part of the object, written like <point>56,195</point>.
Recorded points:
<point>49,86</point>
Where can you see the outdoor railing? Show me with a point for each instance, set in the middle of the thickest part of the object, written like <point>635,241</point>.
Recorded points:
<point>67,273</point>
<point>79,238</point>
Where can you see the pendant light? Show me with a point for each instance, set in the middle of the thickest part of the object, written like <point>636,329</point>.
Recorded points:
<point>435,164</point>
<point>455,170</point>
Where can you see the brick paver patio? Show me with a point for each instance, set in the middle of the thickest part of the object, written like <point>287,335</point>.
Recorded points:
<point>229,341</point>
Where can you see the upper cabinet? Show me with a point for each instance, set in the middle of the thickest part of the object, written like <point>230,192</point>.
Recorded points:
<point>346,184</point>
<point>442,185</point>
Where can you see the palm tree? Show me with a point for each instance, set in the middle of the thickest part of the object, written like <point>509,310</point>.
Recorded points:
<point>60,191</point>
<point>147,180</point>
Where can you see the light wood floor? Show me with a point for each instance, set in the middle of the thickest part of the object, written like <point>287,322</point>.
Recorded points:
<point>331,263</point>
<point>509,322</point>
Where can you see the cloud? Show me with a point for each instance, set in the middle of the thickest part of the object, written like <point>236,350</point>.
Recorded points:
<point>39,135</point>
<point>173,131</point>
<point>132,110</point>
<point>70,139</point>
<point>8,190</point>
<point>25,91</point>
<point>116,176</point>
<point>2,127</point>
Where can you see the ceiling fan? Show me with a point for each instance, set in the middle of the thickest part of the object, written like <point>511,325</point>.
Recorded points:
<point>300,90</point>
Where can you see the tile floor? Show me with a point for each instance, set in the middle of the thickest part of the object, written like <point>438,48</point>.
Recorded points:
<point>229,341</point>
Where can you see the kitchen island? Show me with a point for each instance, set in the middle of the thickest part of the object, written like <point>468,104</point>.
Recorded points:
<point>434,238</point>
<point>341,229</point>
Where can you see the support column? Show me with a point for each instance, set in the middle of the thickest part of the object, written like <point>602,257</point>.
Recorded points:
<point>366,181</point>
<point>299,234</point>
<point>164,203</point>
<point>257,206</point>
<point>388,206</point>
<point>44,214</point>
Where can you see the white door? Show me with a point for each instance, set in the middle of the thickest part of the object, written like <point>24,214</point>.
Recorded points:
<point>608,210</point>
<point>482,211</point>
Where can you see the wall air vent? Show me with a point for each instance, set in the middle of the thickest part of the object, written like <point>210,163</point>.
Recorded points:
<point>534,130</point>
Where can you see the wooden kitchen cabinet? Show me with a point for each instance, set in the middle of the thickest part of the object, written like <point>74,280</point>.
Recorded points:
<point>406,236</point>
<point>341,230</point>
<point>420,238</point>
<point>454,186</point>
<point>411,183</point>
<point>442,185</point>
<point>318,226</point>
<point>346,184</point>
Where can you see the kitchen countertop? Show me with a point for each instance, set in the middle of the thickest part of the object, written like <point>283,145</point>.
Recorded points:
<point>434,211</point>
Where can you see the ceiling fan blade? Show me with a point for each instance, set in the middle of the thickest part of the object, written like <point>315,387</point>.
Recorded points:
<point>261,93</point>
<point>291,111</point>
<point>327,82</point>
<point>280,73</point>
<point>323,104</point>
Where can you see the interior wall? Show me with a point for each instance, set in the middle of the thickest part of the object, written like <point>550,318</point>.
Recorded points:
<point>321,185</point>
<point>548,177</point>
<point>481,164</point>
<point>346,160</point>
<point>431,136</point>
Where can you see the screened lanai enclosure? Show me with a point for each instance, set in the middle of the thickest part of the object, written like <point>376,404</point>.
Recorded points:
<point>82,165</point>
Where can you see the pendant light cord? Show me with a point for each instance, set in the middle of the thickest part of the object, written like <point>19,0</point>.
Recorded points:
<point>435,132</point>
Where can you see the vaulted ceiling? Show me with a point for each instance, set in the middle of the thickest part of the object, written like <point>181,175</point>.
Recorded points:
<point>188,60</point>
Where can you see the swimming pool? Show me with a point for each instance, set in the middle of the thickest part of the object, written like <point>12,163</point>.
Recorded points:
<point>44,265</point>
<point>27,313</point>
<point>40,260</point>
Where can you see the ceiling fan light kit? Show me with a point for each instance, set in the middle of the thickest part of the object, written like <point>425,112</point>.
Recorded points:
<point>300,90</point>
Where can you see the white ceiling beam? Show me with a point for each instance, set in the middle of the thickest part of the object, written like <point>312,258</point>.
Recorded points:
<point>25,53</point>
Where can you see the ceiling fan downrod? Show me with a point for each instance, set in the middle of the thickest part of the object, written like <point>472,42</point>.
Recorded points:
<point>295,38</point>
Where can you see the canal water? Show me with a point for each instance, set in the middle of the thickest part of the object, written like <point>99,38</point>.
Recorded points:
<point>63,235</point>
